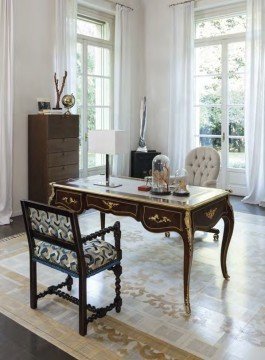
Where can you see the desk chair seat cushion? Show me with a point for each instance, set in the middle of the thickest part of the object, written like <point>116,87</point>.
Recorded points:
<point>97,253</point>
<point>51,224</point>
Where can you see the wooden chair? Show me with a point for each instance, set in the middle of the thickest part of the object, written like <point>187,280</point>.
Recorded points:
<point>54,240</point>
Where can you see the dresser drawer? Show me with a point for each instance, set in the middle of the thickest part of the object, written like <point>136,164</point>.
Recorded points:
<point>159,219</point>
<point>63,127</point>
<point>63,145</point>
<point>63,172</point>
<point>63,158</point>
<point>116,207</point>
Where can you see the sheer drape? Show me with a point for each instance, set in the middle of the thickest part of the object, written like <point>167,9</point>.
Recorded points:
<point>122,83</point>
<point>65,42</point>
<point>181,132</point>
<point>255,103</point>
<point>6,109</point>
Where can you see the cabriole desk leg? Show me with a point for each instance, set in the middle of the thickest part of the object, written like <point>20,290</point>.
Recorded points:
<point>188,238</point>
<point>228,218</point>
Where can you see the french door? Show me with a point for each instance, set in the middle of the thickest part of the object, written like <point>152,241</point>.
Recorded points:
<point>219,106</point>
<point>94,82</point>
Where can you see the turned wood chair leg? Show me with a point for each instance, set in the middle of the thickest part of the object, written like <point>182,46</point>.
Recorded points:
<point>69,281</point>
<point>118,301</point>
<point>33,284</point>
<point>82,306</point>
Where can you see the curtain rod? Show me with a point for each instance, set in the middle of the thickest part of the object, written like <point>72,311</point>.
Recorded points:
<point>128,7</point>
<point>181,3</point>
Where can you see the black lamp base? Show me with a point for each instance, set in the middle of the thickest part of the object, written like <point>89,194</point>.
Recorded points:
<point>107,183</point>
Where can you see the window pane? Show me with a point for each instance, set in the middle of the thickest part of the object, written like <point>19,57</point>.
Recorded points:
<point>236,155</point>
<point>236,57</point>
<point>98,61</point>
<point>93,28</point>
<point>208,90</point>
<point>211,142</point>
<point>236,117</point>
<point>220,26</point>
<point>208,60</point>
<point>236,90</point>
<point>98,91</point>
<point>209,120</point>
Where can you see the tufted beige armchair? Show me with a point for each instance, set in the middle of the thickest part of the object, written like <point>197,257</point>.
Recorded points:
<point>203,166</point>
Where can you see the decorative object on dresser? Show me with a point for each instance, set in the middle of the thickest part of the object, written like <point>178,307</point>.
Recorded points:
<point>143,113</point>
<point>44,105</point>
<point>141,163</point>
<point>68,102</point>
<point>53,152</point>
<point>59,91</point>
<point>108,142</point>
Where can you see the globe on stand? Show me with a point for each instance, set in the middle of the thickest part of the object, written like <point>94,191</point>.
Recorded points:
<point>68,102</point>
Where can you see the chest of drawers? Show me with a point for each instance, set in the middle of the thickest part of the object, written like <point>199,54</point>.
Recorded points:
<point>53,148</point>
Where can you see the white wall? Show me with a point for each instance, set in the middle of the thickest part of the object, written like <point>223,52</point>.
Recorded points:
<point>157,64</point>
<point>33,77</point>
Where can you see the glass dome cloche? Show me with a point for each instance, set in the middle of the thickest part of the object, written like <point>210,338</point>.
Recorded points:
<point>181,181</point>
<point>160,175</point>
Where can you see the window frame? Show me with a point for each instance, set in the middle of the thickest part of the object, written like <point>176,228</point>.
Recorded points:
<point>224,41</point>
<point>83,13</point>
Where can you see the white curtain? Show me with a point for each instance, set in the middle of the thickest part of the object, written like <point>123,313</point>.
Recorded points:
<point>65,42</point>
<point>255,103</point>
<point>122,83</point>
<point>6,109</point>
<point>181,128</point>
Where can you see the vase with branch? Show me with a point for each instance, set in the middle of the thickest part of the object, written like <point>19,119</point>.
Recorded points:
<point>59,91</point>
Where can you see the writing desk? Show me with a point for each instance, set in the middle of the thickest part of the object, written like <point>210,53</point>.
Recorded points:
<point>201,210</point>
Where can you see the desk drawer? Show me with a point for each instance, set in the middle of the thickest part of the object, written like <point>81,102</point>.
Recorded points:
<point>159,219</point>
<point>63,145</point>
<point>63,172</point>
<point>63,158</point>
<point>116,207</point>
<point>208,215</point>
<point>69,200</point>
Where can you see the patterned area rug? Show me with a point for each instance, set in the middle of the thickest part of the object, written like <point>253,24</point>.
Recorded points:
<point>227,320</point>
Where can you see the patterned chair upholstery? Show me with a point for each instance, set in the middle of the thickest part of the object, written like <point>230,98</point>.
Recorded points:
<point>54,240</point>
<point>203,166</point>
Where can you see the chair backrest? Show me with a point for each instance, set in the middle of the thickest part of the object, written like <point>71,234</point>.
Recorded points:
<point>52,225</point>
<point>202,165</point>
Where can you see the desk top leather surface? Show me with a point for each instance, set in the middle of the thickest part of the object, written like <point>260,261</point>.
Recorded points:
<point>129,191</point>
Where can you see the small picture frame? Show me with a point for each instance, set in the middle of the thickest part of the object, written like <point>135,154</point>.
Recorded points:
<point>44,105</point>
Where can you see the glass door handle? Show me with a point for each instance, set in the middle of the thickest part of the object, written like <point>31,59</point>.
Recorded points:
<point>223,137</point>
<point>86,136</point>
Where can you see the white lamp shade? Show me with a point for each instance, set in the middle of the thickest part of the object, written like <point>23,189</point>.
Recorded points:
<point>108,142</point>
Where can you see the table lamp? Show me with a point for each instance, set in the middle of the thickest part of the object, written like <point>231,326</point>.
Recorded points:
<point>109,142</point>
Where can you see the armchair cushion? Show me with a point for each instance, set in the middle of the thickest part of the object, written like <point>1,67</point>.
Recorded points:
<point>97,253</point>
<point>202,165</point>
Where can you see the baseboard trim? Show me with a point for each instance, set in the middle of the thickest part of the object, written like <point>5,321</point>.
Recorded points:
<point>16,213</point>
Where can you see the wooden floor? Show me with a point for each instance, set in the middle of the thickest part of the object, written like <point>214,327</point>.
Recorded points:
<point>16,342</point>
